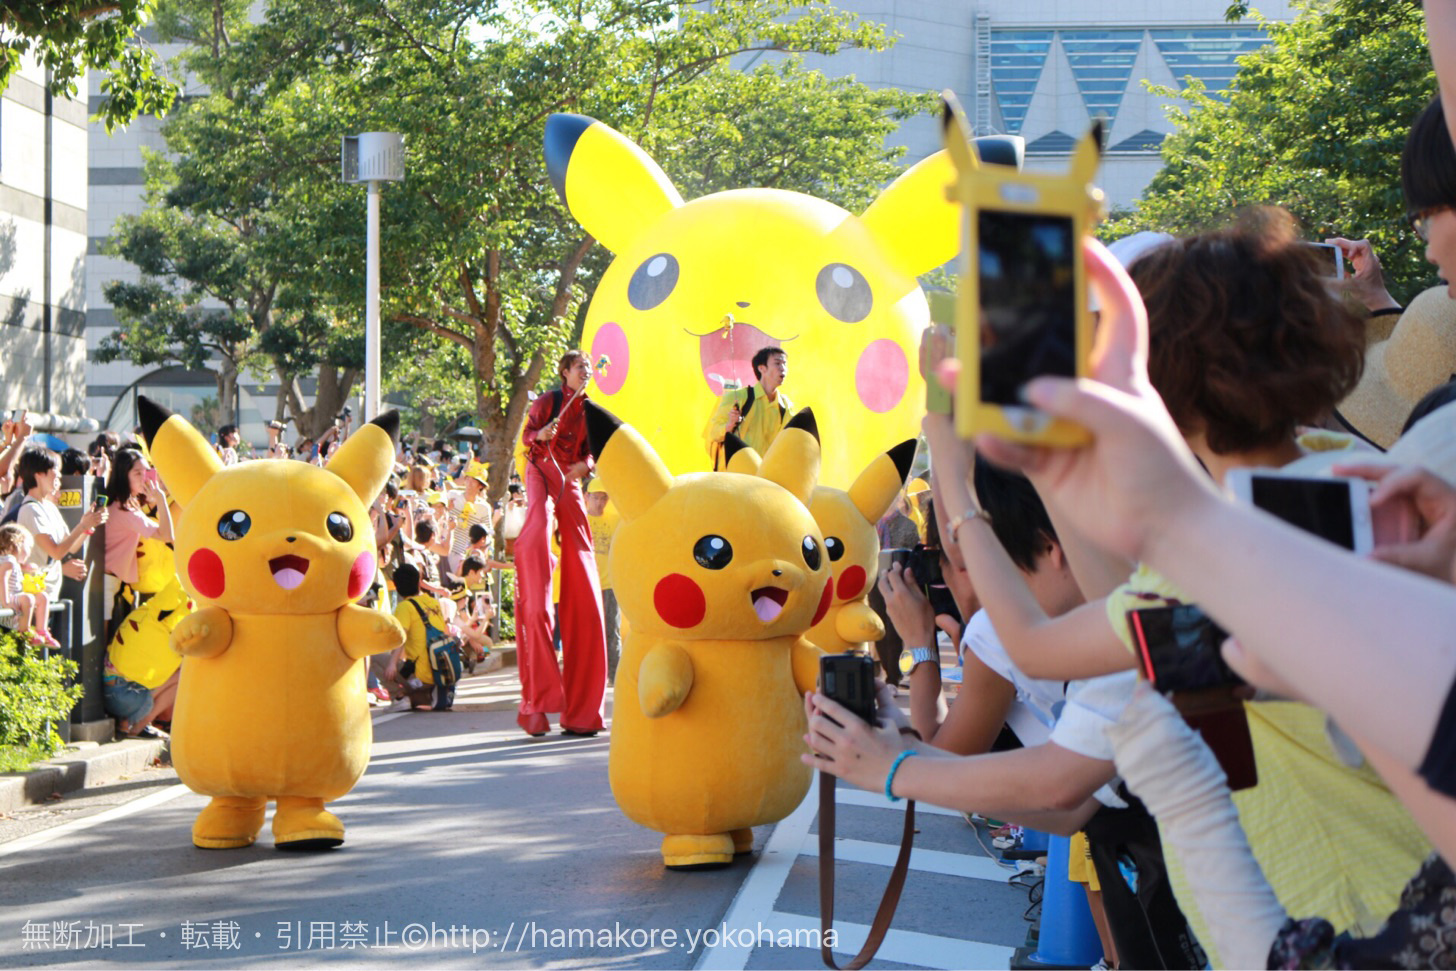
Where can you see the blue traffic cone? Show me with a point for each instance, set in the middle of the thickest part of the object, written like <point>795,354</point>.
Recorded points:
<point>1067,938</point>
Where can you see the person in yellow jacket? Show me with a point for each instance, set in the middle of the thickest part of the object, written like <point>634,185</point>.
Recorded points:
<point>418,686</point>
<point>756,413</point>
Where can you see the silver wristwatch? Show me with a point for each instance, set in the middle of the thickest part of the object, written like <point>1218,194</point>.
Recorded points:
<point>913,656</point>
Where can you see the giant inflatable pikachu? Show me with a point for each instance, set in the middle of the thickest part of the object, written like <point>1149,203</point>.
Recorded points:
<point>847,520</point>
<point>698,287</point>
<point>271,701</point>
<point>718,575</point>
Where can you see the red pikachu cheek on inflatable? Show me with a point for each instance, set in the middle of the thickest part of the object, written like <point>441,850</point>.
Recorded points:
<point>679,601</point>
<point>205,570</point>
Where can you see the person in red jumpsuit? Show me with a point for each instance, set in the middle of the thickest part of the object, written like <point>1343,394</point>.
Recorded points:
<point>556,461</point>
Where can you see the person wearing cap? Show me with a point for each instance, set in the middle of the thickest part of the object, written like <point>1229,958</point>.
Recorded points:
<point>604,519</point>
<point>468,508</point>
<point>557,459</point>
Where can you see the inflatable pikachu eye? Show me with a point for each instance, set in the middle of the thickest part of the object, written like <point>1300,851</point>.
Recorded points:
<point>270,702</point>
<point>697,288</point>
<point>718,576</point>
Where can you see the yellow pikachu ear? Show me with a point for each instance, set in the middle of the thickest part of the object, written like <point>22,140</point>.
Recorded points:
<point>1088,153</point>
<point>367,456</point>
<point>739,457</point>
<point>793,459</point>
<point>182,456</point>
<point>610,185</point>
<point>635,477</point>
<point>914,223</point>
<point>879,484</point>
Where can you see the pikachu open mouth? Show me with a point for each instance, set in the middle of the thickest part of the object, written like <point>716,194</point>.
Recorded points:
<point>768,603</point>
<point>288,570</point>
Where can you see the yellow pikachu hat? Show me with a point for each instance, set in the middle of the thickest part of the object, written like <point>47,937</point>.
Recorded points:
<point>718,576</point>
<point>847,520</point>
<point>271,702</point>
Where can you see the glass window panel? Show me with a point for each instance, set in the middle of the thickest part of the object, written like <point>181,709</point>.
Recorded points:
<point>1102,62</point>
<point>1017,59</point>
<point>1209,54</point>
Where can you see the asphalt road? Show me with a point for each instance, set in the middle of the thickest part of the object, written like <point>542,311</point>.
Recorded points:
<point>471,845</point>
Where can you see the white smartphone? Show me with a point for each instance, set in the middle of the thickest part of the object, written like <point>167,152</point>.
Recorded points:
<point>1332,259</point>
<point>1337,510</point>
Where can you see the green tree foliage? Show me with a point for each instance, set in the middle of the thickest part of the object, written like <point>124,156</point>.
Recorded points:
<point>70,36</point>
<point>478,255</point>
<point>1314,122</point>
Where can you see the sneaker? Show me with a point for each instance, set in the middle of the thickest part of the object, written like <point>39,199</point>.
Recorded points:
<point>1101,965</point>
<point>380,692</point>
<point>401,704</point>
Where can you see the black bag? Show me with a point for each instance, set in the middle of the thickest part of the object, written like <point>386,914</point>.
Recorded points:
<point>442,650</point>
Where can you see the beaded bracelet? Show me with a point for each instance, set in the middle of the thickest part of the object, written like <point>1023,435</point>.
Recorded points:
<point>895,767</point>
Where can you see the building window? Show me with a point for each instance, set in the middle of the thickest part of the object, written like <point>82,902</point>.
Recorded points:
<point>1102,62</point>
<point>1209,54</point>
<point>1017,57</point>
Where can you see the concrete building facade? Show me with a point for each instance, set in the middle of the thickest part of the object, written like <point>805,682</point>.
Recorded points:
<point>43,226</point>
<point>1043,69</point>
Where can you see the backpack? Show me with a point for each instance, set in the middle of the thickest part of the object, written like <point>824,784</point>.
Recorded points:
<point>12,512</point>
<point>442,650</point>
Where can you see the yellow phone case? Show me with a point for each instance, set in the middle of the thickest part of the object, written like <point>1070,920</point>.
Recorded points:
<point>1070,196</point>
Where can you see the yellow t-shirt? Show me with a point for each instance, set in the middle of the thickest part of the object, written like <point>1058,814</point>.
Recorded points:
<point>1333,841</point>
<point>603,527</point>
<point>414,632</point>
<point>758,430</point>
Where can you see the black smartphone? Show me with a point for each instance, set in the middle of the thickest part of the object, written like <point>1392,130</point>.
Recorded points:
<point>1334,509</point>
<point>849,679</point>
<point>1180,649</point>
<point>1028,301</point>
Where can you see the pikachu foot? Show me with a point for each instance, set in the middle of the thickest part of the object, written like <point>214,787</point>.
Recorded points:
<point>742,840</point>
<point>697,852</point>
<point>304,824</point>
<point>229,823</point>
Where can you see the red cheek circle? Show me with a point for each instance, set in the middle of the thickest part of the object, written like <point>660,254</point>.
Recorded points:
<point>361,575</point>
<point>204,569</point>
<point>679,601</point>
<point>610,342</point>
<point>882,375</point>
<point>851,583</point>
<point>824,602</point>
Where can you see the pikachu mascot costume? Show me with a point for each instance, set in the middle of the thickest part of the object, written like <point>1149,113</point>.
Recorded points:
<point>271,701</point>
<point>698,287</point>
<point>719,575</point>
<point>847,520</point>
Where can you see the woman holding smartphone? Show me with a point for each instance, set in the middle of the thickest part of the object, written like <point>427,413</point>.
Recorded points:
<point>40,479</point>
<point>137,533</point>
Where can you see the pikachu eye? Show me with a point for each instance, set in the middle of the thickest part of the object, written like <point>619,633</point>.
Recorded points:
<point>712,552</point>
<point>834,547</point>
<point>653,282</point>
<point>844,292</point>
<point>339,527</point>
<point>234,525</point>
<point>812,556</point>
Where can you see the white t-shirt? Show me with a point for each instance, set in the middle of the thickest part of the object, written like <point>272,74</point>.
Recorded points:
<point>44,519</point>
<point>1071,715</point>
<point>460,534</point>
<point>1037,703</point>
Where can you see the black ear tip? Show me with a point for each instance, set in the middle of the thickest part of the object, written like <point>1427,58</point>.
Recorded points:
<point>389,422</point>
<point>601,425</point>
<point>804,419</point>
<point>902,455</point>
<point>732,445</point>
<point>562,133</point>
<point>151,416</point>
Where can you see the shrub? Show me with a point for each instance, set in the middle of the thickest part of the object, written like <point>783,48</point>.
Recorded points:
<point>34,693</point>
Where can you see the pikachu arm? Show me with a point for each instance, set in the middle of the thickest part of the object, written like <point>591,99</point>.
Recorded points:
<point>664,679</point>
<point>856,622</point>
<point>363,632</point>
<point>206,633</point>
<point>805,659</point>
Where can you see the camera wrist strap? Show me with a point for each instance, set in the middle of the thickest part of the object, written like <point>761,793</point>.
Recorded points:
<point>881,923</point>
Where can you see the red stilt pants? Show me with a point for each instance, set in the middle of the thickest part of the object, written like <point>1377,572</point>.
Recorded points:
<point>578,686</point>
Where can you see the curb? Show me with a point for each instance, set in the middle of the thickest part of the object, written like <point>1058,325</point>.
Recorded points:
<point>88,766</point>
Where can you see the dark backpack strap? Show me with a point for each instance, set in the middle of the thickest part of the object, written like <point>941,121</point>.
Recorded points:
<point>747,405</point>
<point>556,398</point>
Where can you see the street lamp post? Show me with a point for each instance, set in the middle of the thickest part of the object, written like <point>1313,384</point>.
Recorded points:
<point>372,157</point>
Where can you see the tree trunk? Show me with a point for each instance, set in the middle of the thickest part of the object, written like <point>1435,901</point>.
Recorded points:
<point>331,394</point>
